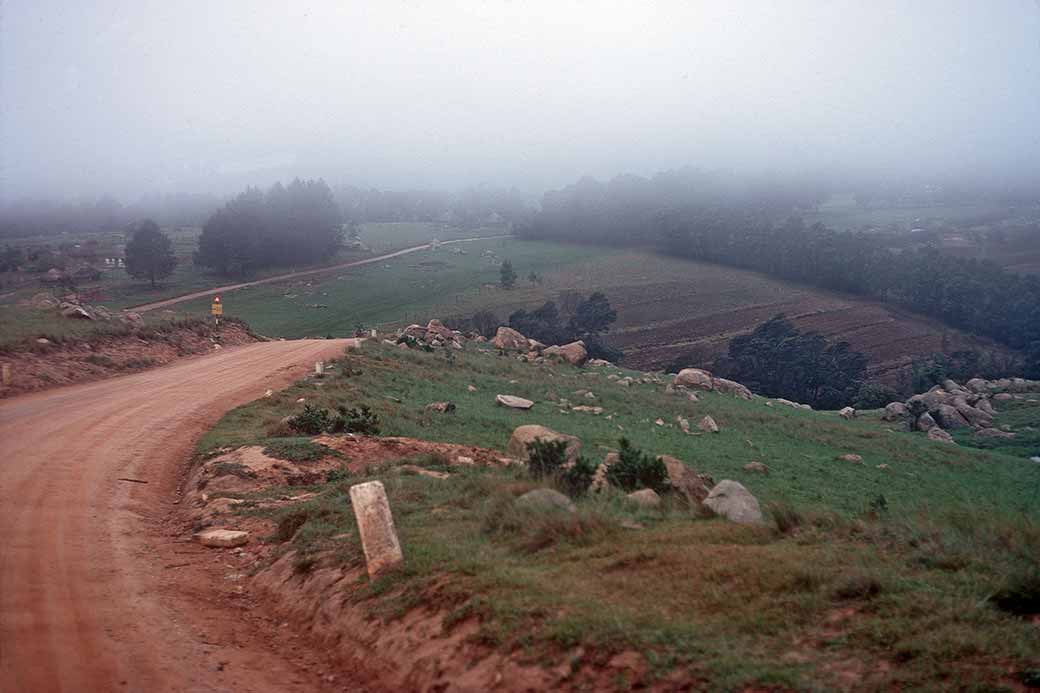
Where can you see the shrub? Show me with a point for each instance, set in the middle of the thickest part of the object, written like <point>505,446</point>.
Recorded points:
<point>312,421</point>
<point>875,396</point>
<point>635,469</point>
<point>360,420</point>
<point>576,479</point>
<point>1020,594</point>
<point>545,457</point>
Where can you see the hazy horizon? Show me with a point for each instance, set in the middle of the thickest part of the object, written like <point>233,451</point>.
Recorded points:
<point>132,98</point>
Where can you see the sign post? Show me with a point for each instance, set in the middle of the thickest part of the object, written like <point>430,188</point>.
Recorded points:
<point>216,310</point>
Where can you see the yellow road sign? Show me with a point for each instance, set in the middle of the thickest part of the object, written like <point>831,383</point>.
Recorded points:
<point>217,308</point>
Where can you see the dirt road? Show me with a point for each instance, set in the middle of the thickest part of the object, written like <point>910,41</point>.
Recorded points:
<point>100,590</point>
<point>144,307</point>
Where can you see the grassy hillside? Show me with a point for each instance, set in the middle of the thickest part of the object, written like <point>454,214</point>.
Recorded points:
<point>866,577</point>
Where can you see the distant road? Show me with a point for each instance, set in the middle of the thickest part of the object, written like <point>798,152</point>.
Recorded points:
<point>144,307</point>
<point>100,590</point>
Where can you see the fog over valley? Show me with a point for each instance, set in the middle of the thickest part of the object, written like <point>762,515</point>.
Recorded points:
<point>134,98</point>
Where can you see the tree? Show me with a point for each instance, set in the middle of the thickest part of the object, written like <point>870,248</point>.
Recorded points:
<point>149,254</point>
<point>777,360</point>
<point>507,277</point>
<point>593,315</point>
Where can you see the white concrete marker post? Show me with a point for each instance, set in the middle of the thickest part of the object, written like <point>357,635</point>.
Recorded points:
<point>5,374</point>
<point>319,368</point>
<point>376,526</point>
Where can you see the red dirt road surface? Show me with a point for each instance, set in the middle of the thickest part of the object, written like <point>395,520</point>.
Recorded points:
<point>100,588</point>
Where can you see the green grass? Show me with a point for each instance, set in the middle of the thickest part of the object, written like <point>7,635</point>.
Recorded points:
<point>799,447</point>
<point>405,289</point>
<point>839,582</point>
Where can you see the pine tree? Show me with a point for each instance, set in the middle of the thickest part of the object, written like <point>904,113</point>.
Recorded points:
<point>508,276</point>
<point>149,254</point>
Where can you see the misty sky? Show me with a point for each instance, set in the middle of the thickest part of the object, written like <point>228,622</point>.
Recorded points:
<point>210,95</point>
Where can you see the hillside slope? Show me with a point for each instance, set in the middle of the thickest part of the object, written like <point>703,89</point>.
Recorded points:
<point>886,570</point>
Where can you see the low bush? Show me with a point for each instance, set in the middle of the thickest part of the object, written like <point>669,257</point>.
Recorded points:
<point>576,479</point>
<point>1020,594</point>
<point>360,420</point>
<point>634,470</point>
<point>312,421</point>
<point>545,458</point>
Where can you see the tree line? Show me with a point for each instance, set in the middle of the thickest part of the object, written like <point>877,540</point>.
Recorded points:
<point>284,226</point>
<point>740,228</point>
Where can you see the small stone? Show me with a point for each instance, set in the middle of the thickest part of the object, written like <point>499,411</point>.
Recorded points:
<point>851,457</point>
<point>756,468</point>
<point>708,425</point>
<point>441,407</point>
<point>470,388</point>
<point>222,538</point>
<point>939,435</point>
<point>646,498</point>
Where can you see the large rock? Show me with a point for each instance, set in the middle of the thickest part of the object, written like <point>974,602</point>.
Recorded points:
<point>690,485</point>
<point>730,387</point>
<point>574,353</point>
<point>925,422</point>
<point>948,417</point>
<point>984,405</point>
<point>694,377</point>
<point>978,386</point>
<point>222,538</point>
<point>509,339</point>
<point>523,435</point>
<point>939,435</point>
<point>974,416</point>
<point>436,328</point>
<point>895,411</point>
<point>513,402</point>
<point>729,499</point>
<point>847,413</point>
<point>545,500</point>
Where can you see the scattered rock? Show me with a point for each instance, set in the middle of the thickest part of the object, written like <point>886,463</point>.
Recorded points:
<point>546,499</point>
<point>756,468</point>
<point>421,471</point>
<point>939,435</point>
<point>683,422</point>
<point>847,413</point>
<point>441,407</point>
<point>222,538</point>
<point>708,425</point>
<point>470,388</point>
<point>851,457</point>
<point>1003,397</point>
<point>523,435</point>
<point>590,410</point>
<point>729,499</point>
<point>599,363</point>
<point>645,497</point>
<point>513,402</point>
<point>730,387</point>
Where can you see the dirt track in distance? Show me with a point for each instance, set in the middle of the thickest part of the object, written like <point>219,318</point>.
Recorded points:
<point>100,587</point>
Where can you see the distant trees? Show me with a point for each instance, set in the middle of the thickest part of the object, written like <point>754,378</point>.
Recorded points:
<point>777,360</point>
<point>591,317</point>
<point>702,217</point>
<point>507,275</point>
<point>297,224</point>
<point>149,253</point>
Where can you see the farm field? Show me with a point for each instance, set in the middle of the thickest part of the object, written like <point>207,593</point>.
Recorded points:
<point>667,308</point>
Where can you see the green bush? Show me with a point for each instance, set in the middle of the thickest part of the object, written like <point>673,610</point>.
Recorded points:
<point>545,458</point>
<point>312,421</point>
<point>635,469</point>
<point>576,479</point>
<point>360,420</point>
<point>875,396</point>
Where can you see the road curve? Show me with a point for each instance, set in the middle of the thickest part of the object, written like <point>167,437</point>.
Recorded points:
<point>144,307</point>
<point>86,602</point>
